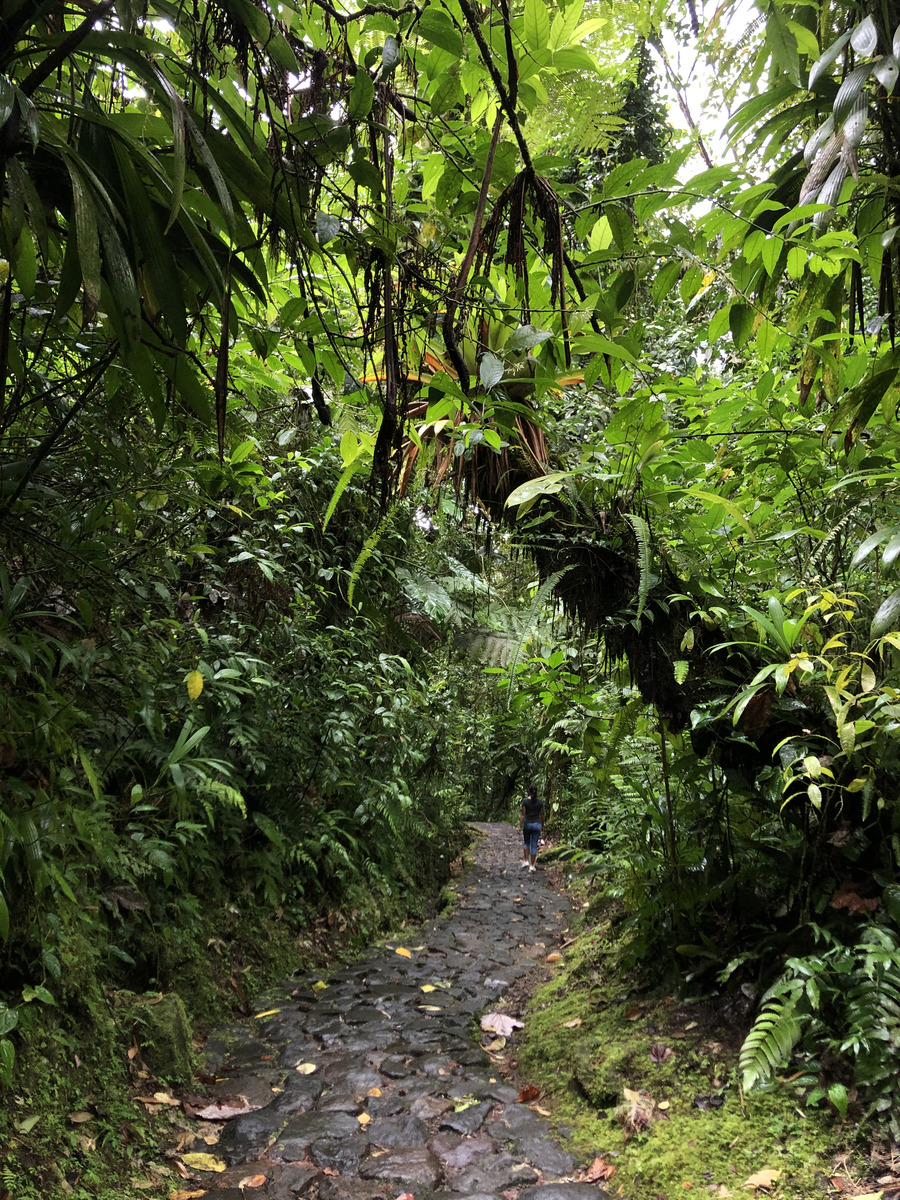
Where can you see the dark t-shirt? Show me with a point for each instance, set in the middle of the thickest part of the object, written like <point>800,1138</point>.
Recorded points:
<point>533,810</point>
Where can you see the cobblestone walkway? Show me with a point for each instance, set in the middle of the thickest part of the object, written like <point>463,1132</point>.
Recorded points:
<point>374,1087</point>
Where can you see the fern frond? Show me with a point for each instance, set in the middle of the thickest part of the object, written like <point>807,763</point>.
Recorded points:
<point>642,533</point>
<point>368,548</point>
<point>767,1046</point>
<point>528,623</point>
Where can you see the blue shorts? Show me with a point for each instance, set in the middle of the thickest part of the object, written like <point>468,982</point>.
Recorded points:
<point>531,831</point>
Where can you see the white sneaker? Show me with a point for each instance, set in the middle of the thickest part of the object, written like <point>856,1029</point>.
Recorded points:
<point>524,864</point>
<point>531,867</point>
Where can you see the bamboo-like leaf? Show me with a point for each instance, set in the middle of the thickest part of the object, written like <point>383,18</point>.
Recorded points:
<point>886,71</point>
<point>864,37</point>
<point>850,90</point>
<point>821,65</point>
<point>87,235</point>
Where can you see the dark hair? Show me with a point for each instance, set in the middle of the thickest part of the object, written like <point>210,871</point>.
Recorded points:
<point>532,792</point>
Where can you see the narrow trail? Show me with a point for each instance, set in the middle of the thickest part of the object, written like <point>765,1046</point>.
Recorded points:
<point>401,1099</point>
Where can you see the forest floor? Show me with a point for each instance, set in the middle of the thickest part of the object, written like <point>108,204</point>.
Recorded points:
<point>366,1082</point>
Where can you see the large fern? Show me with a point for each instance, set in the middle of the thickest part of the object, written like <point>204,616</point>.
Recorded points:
<point>769,1043</point>
<point>643,537</point>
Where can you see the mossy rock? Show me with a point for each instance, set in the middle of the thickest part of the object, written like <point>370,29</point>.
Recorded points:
<point>166,1042</point>
<point>598,1074</point>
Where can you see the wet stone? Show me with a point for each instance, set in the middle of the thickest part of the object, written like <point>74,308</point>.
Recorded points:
<point>544,1154</point>
<point>390,1133</point>
<point>494,1174</point>
<point>298,1180</point>
<point>337,1154</point>
<point>397,1068</point>
<point>455,1152</point>
<point>362,1015</point>
<point>416,1165</point>
<point>429,1107</point>
<point>344,1102</point>
<point>386,1106</point>
<point>467,1121</point>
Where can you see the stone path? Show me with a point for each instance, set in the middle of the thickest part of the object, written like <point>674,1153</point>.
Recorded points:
<point>402,1102</point>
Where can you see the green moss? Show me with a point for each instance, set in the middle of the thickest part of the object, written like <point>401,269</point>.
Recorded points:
<point>586,1044</point>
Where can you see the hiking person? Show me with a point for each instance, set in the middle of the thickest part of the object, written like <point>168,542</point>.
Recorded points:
<point>532,825</point>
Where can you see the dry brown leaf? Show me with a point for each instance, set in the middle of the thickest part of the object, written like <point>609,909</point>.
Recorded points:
<point>330,1171</point>
<point>763,1179</point>
<point>555,957</point>
<point>78,1118</point>
<point>634,1013</point>
<point>252,1181</point>
<point>528,1094</point>
<point>406,1196</point>
<point>403,951</point>
<point>598,1171</point>
<point>181,1195</point>
<point>165,1098</point>
<point>225,1109</point>
<point>202,1162</point>
<point>544,1112</point>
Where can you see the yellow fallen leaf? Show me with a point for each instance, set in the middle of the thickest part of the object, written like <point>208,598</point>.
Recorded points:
<point>270,1012</point>
<point>428,987</point>
<point>402,950</point>
<point>252,1181</point>
<point>663,1105</point>
<point>186,1195</point>
<point>870,1196</point>
<point>78,1118</point>
<point>194,684</point>
<point>306,1068</point>
<point>374,1092</point>
<point>429,1008</point>
<point>497,1044</point>
<point>573,1024</point>
<point>543,1111</point>
<point>364,1118</point>
<point>319,985</point>
<point>203,1162</point>
<point>554,958</point>
<point>763,1179</point>
<point>165,1098</point>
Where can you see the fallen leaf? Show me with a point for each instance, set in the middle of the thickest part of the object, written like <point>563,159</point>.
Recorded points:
<point>202,1162</point>
<point>528,1094</point>
<point>252,1181</point>
<point>429,1008</point>
<point>364,1118</point>
<point>496,1045</point>
<point>165,1098</point>
<point>687,1185</point>
<point>330,1171</point>
<point>501,1023</point>
<point>406,1196</point>
<point>663,1105</point>
<point>634,1013</point>
<point>428,987</point>
<point>319,985</point>
<point>690,1025</point>
<point>573,1024</point>
<point>225,1108</point>
<point>374,1092</point>
<point>78,1118</point>
<point>270,1012</point>
<point>403,951</point>
<point>660,1053</point>
<point>185,1195</point>
<point>306,1068</point>
<point>870,1196</point>
<point>763,1179</point>
<point>544,1112</point>
<point>598,1171</point>
<point>554,958</point>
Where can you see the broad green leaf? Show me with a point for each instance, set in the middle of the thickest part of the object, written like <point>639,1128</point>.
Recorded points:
<point>730,507</point>
<point>362,96</point>
<point>390,56</point>
<point>827,58</point>
<point>537,24</point>
<point>544,485</point>
<point>564,24</point>
<point>491,370</point>
<point>887,618</point>
<point>783,41</point>
<point>328,226</point>
<point>436,27</point>
<point>87,234</point>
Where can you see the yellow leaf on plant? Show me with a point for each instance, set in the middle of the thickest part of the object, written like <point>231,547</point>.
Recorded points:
<point>428,987</point>
<point>270,1012</point>
<point>402,950</point>
<point>763,1179</point>
<point>306,1068</point>
<point>364,1118</point>
<point>203,1162</point>
<point>194,684</point>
